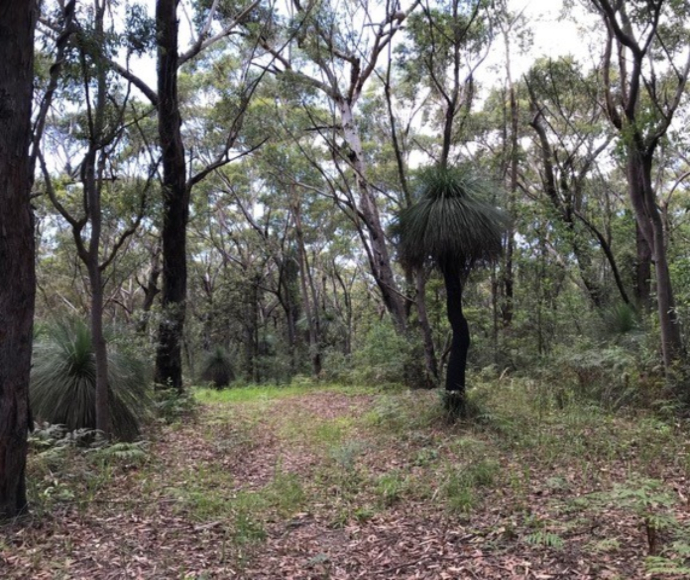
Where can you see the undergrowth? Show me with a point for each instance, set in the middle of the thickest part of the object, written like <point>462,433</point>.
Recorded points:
<point>533,467</point>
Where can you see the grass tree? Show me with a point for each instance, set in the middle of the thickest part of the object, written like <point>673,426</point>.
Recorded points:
<point>63,382</point>
<point>453,225</point>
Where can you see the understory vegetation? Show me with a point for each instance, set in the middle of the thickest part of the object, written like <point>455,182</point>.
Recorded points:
<point>245,244</point>
<point>333,481</point>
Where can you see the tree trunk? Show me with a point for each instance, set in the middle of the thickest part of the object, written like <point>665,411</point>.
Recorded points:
<point>252,330</point>
<point>175,202</point>
<point>347,299</point>
<point>100,350</point>
<point>643,199</point>
<point>91,258</point>
<point>92,172</point>
<point>643,270</point>
<point>18,288</point>
<point>289,300</point>
<point>151,290</point>
<point>311,306</point>
<point>427,337</point>
<point>606,248</point>
<point>379,258</point>
<point>508,305</point>
<point>460,343</point>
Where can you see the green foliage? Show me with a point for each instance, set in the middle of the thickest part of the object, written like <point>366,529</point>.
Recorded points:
<point>172,405</point>
<point>653,504</point>
<point>647,498</point>
<point>217,368</point>
<point>460,487</point>
<point>141,30</point>
<point>621,318</point>
<point>63,382</point>
<point>382,358</point>
<point>452,220</point>
<point>660,565</point>
<point>454,404</point>
<point>545,538</point>
<point>610,375</point>
<point>127,453</point>
<point>390,487</point>
<point>285,493</point>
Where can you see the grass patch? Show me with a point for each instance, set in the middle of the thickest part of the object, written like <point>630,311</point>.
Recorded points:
<point>250,393</point>
<point>318,434</point>
<point>391,487</point>
<point>460,486</point>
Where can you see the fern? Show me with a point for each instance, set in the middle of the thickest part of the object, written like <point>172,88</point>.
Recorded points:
<point>544,538</point>
<point>129,453</point>
<point>661,565</point>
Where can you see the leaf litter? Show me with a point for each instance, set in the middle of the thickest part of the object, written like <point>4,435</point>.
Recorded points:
<point>315,486</point>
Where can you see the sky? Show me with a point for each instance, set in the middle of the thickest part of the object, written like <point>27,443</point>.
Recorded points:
<point>553,35</point>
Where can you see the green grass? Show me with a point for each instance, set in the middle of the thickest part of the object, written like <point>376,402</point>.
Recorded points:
<point>250,393</point>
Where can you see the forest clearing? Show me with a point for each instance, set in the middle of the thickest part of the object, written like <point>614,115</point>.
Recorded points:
<point>344,289</point>
<point>345,482</point>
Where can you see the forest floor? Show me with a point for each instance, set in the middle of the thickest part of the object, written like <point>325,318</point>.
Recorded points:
<point>345,483</point>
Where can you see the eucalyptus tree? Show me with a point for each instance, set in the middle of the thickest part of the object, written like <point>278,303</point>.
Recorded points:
<point>516,39</point>
<point>644,76</point>
<point>571,138</point>
<point>212,25</point>
<point>17,292</point>
<point>454,225</point>
<point>447,42</point>
<point>95,136</point>
<point>333,52</point>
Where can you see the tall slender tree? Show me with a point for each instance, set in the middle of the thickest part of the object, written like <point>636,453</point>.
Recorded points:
<point>175,200</point>
<point>177,186</point>
<point>344,49</point>
<point>644,74</point>
<point>104,120</point>
<point>17,291</point>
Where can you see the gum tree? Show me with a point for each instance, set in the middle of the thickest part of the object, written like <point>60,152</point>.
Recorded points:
<point>17,292</point>
<point>644,75</point>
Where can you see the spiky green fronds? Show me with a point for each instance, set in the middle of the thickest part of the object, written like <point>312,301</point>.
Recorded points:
<point>452,220</point>
<point>63,382</point>
<point>217,368</point>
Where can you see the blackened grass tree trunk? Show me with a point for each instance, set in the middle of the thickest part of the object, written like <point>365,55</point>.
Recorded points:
<point>460,342</point>
<point>18,288</point>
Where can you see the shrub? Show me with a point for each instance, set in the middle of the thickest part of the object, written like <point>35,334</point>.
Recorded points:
<point>216,368</point>
<point>63,382</point>
<point>382,358</point>
<point>619,319</point>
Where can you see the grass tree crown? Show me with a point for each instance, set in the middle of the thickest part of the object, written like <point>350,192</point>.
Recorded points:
<point>452,220</point>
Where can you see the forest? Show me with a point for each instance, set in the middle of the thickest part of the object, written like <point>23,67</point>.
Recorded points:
<point>344,289</point>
